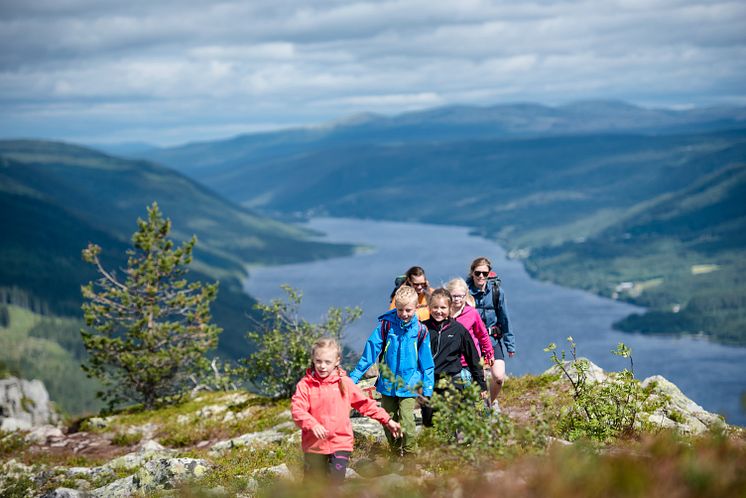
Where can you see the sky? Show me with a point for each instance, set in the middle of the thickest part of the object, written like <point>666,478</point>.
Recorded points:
<point>167,72</point>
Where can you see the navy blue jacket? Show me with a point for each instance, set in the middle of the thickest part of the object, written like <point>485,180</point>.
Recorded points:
<point>483,304</point>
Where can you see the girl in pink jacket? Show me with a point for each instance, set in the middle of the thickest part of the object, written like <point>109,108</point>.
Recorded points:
<point>321,408</point>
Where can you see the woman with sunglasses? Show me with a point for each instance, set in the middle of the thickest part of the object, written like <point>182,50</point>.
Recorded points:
<point>496,321</point>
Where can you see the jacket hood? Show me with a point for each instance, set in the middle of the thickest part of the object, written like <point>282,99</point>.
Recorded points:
<point>334,376</point>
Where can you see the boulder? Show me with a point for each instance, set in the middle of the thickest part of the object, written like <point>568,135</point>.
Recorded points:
<point>157,474</point>
<point>44,434</point>
<point>148,450</point>
<point>364,427</point>
<point>25,404</point>
<point>280,432</point>
<point>680,412</point>
<point>65,493</point>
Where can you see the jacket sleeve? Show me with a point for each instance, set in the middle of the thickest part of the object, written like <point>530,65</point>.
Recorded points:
<point>426,366</point>
<point>365,405</point>
<point>502,319</point>
<point>370,354</point>
<point>471,355</point>
<point>300,406</point>
<point>483,336</point>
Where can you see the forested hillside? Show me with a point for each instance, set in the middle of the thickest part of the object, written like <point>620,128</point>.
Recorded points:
<point>56,198</point>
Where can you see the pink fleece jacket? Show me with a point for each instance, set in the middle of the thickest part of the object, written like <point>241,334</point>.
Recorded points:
<point>471,320</point>
<point>319,401</point>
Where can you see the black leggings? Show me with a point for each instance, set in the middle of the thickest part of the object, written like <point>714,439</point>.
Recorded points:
<point>329,467</point>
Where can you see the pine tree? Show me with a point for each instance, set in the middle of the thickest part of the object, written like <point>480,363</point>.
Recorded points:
<point>148,333</point>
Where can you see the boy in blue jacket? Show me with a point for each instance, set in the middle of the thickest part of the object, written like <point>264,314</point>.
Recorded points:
<point>406,353</point>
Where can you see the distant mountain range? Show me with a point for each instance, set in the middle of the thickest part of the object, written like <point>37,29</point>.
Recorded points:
<point>591,181</point>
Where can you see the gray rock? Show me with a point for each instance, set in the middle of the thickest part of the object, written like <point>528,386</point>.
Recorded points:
<point>119,488</point>
<point>90,472</point>
<point>148,451</point>
<point>25,404</point>
<point>364,427</point>
<point>157,474</point>
<point>65,493</point>
<point>250,439</point>
<point>278,471</point>
<point>42,434</point>
<point>680,412</point>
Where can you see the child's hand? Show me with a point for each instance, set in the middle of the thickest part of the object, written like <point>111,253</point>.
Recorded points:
<point>394,427</point>
<point>484,394</point>
<point>319,431</point>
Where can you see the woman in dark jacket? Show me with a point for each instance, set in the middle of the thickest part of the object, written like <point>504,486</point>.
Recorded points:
<point>449,340</point>
<point>496,320</point>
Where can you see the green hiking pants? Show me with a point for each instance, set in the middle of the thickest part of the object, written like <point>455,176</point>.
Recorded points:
<point>401,410</point>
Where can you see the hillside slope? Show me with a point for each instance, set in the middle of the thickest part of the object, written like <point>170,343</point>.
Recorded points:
<point>682,255</point>
<point>56,198</point>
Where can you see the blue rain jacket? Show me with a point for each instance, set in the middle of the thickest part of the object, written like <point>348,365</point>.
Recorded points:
<point>412,367</point>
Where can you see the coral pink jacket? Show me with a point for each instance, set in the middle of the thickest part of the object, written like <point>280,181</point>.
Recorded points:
<point>471,320</point>
<point>320,401</point>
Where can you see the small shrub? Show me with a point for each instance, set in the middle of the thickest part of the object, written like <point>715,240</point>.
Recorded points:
<point>126,439</point>
<point>283,343</point>
<point>602,410</point>
<point>11,443</point>
<point>462,421</point>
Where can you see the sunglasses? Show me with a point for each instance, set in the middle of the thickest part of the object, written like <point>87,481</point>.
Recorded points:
<point>481,273</point>
<point>422,284</point>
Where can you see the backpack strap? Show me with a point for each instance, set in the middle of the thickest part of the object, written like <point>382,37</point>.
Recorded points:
<point>496,305</point>
<point>496,295</point>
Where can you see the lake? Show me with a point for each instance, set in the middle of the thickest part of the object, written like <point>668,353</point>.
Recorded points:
<point>712,375</point>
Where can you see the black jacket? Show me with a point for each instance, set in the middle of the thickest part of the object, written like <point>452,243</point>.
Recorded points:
<point>448,341</point>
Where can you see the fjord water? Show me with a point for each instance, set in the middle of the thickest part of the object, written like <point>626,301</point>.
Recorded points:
<point>712,375</point>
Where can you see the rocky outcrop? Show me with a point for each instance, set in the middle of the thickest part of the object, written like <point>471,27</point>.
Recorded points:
<point>680,412</point>
<point>153,469</point>
<point>25,404</point>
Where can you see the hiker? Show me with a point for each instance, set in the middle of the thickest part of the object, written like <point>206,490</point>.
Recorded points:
<point>449,342</point>
<point>467,316</point>
<point>401,343</point>
<point>489,300</point>
<point>415,278</point>
<point>321,406</point>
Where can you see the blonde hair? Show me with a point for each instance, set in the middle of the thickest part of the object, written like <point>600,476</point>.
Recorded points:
<point>459,283</point>
<point>405,294</point>
<point>328,343</point>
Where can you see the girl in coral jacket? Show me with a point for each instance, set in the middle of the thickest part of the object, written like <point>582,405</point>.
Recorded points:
<point>321,408</point>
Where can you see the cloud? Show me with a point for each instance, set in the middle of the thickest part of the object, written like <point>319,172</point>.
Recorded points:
<point>242,65</point>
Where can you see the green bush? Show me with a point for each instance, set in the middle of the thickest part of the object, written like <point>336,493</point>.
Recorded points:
<point>463,422</point>
<point>283,343</point>
<point>603,410</point>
